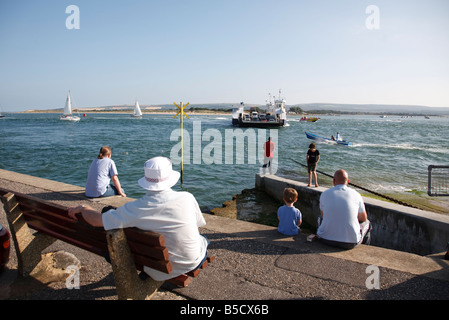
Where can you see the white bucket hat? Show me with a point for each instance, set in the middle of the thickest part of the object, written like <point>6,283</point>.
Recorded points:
<point>159,174</point>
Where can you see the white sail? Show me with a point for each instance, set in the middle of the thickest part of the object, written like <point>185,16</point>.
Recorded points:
<point>68,105</point>
<point>137,111</point>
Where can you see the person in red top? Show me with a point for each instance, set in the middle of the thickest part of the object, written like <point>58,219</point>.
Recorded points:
<point>268,148</point>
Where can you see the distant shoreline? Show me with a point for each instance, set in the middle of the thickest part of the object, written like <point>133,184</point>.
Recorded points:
<point>296,109</point>
<point>217,112</point>
<point>156,112</point>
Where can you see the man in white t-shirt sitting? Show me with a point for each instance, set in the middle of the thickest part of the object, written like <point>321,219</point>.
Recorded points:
<point>344,221</point>
<point>176,215</point>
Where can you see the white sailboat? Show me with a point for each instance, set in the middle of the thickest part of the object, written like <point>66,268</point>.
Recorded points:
<point>137,112</point>
<point>68,116</point>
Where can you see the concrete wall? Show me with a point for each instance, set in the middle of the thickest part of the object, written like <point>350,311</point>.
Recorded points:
<point>394,226</point>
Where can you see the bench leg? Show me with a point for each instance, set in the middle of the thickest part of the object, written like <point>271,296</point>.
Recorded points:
<point>183,280</point>
<point>129,285</point>
<point>28,245</point>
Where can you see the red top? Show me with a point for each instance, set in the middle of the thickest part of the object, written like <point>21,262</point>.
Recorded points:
<point>269,148</point>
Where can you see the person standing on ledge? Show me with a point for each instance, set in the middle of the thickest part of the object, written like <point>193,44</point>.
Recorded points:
<point>101,171</point>
<point>313,156</point>
<point>344,222</point>
<point>268,149</point>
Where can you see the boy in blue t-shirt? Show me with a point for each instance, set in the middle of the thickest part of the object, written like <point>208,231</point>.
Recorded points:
<point>289,217</point>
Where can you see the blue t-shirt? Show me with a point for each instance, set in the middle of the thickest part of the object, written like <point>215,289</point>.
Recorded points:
<point>288,220</point>
<point>99,176</point>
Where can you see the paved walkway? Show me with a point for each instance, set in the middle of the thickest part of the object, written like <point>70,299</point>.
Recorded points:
<point>252,262</point>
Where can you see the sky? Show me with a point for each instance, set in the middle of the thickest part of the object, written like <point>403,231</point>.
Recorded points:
<point>223,51</point>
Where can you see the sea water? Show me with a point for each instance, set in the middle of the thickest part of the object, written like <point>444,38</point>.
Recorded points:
<point>387,154</point>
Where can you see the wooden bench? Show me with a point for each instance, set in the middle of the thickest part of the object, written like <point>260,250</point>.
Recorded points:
<point>128,250</point>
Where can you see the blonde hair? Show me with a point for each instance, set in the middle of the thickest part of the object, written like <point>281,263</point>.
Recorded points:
<point>104,152</point>
<point>290,195</point>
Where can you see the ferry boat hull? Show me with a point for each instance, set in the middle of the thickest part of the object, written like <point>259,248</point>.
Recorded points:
<point>275,116</point>
<point>258,124</point>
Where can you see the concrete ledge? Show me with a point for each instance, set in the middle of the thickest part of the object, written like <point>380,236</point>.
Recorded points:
<point>394,226</point>
<point>393,259</point>
<point>256,262</point>
<point>54,190</point>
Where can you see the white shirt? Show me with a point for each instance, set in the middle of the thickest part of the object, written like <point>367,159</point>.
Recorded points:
<point>340,206</point>
<point>177,216</point>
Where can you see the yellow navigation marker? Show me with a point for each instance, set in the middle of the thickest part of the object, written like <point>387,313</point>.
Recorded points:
<point>182,113</point>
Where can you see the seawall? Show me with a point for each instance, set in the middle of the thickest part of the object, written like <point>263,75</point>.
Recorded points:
<point>253,262</point>
<point>394,226</point>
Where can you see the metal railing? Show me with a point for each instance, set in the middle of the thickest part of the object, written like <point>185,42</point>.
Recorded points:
<point>438,181</point>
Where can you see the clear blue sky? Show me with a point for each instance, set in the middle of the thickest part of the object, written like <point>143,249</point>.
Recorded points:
<point>211,51</point>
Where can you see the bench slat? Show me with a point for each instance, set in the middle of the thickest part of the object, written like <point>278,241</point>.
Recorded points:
<point>145,237</point>
<point>42,205</point>
<point>86,234</point>
<point>181,281</point>
<point>160,253</point>
<point>69,240</point>
<point>163,266</point>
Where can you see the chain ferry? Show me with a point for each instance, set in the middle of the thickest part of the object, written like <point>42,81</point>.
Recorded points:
<point>274,116</point>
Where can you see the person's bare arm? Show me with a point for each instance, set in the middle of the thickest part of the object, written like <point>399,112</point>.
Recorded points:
<point>92,216</point>
<point>362,216</point>
<point>116,182</point>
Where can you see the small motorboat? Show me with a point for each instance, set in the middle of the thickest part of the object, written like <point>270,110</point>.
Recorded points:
<point>326,140</point>
<point>309,119</point>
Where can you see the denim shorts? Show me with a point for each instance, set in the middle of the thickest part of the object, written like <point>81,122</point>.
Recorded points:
<point>111,190</point>
<point>205,256</point>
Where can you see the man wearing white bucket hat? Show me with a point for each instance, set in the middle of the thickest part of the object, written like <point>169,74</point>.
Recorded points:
<point>176,215</point>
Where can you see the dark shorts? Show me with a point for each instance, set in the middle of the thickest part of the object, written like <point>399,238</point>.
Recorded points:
<point>311,167</point>
<point>205,256</point>
<point>365,231</point>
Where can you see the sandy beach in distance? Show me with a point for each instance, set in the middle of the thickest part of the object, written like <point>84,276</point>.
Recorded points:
<point>156,112</point>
